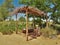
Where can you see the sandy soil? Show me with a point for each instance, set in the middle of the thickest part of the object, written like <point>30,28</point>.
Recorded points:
<point>17,39</point>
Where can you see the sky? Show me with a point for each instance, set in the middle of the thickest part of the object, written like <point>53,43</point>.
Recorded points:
<point>15,2</point>
<point>1,1</point>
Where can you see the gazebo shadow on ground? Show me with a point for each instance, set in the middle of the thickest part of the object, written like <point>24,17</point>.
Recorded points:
<point>32,34</point>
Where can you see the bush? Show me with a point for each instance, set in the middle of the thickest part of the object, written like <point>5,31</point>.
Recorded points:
<point>47,32</point>
<point>5,28</point>
<point>9,27</point>
<point>56,27</point>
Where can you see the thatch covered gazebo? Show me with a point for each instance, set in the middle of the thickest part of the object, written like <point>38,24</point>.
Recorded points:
<point>28,10</point>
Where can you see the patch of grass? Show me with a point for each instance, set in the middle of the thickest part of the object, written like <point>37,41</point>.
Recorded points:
<point>47,32</point>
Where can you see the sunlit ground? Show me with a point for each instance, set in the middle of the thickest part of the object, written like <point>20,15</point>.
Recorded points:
<point>18,39</point>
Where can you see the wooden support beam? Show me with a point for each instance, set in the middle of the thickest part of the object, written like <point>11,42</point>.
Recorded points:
<point>16,25</point>
<point>46,21</point>
<point>26,25</point>
<point>33,21</point>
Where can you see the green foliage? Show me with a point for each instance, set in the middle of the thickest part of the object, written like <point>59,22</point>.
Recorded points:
<point>21,26</point>
<point>45,5</point>
<point>41,4</point>
<point>56,27</point>
<point>55,10</point>
<point>10,26</point>
<point>22,19</point>
<point>5,8</point>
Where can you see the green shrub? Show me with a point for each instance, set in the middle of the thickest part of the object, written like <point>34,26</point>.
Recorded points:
<point>9,27</point>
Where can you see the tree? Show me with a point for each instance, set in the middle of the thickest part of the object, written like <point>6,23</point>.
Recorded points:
<point>5,8</point>
<point>55,10</point>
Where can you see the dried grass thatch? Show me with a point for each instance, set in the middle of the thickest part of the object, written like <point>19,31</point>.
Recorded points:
<point>29,9</point>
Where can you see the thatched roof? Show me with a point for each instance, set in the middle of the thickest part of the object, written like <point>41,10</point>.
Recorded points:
<point>31,10</point>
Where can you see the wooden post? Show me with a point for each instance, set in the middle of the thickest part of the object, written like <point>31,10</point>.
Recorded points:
<point>46,21</point>
<point>26,25</point>
<point>33,21</point>
<point>16,25</point>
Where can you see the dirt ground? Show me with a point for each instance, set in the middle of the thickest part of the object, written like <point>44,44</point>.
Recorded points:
<point>17,39</point>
